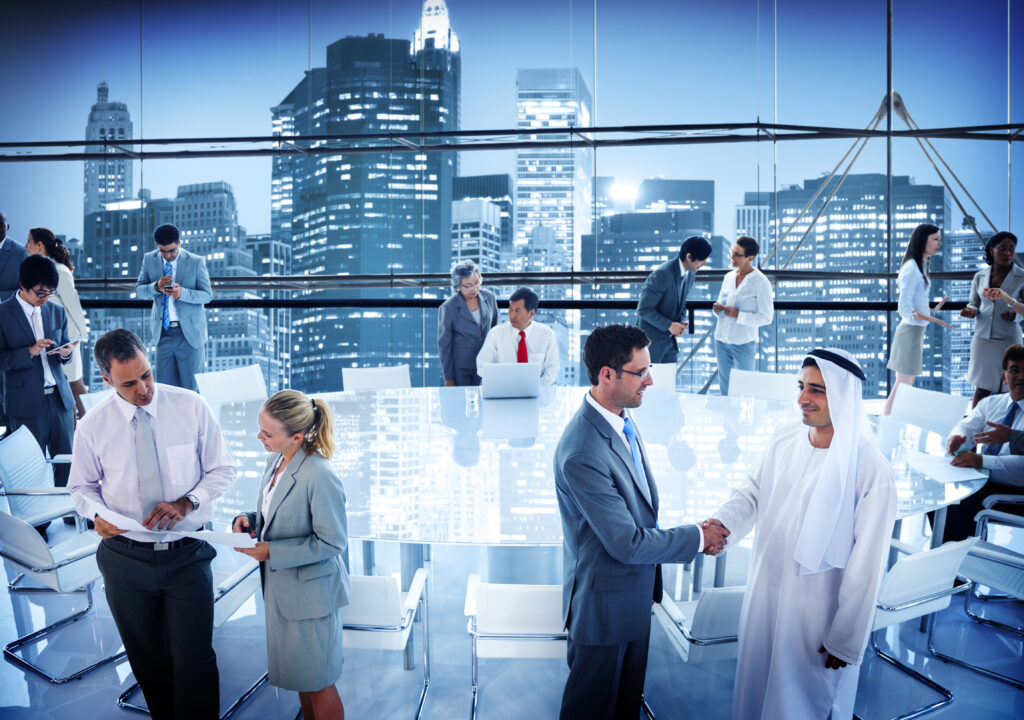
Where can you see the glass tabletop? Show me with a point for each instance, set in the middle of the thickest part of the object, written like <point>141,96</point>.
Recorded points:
<point>443,465</point>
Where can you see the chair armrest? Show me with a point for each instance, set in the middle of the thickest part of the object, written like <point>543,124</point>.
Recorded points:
<point>36,491</point>
<point>991,500</point>
<point>471,590</point>
<point>63,459</point>
<point>416,588</point>
<point>902,547</point>
<point>983,518</point>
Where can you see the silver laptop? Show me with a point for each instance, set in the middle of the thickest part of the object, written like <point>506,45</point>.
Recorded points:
<point>510,380</point>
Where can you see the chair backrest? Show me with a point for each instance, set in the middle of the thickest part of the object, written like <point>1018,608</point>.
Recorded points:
<point>918,576</point>
<point>717,615</point>
<point>375,600</point>
<point>771,386</point>
<point>235,385</point>
<point>22,465</point>
<point>519,610</point>
<point>233,590</point>
<point>26,550</point>
<point>376,378</point>
<point>928,408</point>
<point>664,376</point>
<point>92,399</point>
<point>23,544</point>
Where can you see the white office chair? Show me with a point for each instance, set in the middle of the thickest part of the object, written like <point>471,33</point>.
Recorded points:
<point>377,378</point>
<point>919,583</point>
<point>513,621</point>
<point>998,568</point>
<point>770,386</point>
<point>92,399</point>
<point>68,567</point>
<point>664,376</point>
<point>380,616</point>
<point>26,477</point>
<point>706,629</point>
<point>238,384</point>
<point>929,409</point>
<point>231,591</point>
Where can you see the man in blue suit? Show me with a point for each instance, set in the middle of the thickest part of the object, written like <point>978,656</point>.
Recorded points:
<point>179,284</point>
<point>662,305</point>
<point>11,255</point>
<point>612,546</point>
<point>31,329</point>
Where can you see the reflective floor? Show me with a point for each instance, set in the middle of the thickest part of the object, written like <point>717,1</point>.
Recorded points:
<point>374,684</point>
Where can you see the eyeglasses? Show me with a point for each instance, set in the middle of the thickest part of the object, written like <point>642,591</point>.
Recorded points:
<point>43,294</point>
<point>638,373</point>
<point>737,255</point>
<point>472,286</point>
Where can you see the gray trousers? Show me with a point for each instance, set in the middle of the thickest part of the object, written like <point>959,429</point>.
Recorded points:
<point>177,362</point>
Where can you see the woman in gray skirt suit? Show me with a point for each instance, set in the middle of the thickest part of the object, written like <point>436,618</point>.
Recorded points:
<point>908,341</point>
<point>994,291</point>
<point>302,530</point>
<point>463,322</point>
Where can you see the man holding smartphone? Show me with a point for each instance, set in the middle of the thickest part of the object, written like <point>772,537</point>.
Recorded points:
<point>34,348</point>
<point>179,284</point>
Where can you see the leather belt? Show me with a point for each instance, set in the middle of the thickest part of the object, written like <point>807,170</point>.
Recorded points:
<point>48,390</point>
<point>155,546</point>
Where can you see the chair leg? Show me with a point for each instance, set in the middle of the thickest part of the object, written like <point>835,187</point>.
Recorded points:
<point>989,621</point>
<point>14,587</point>
<point>124,703</point>
<point>10,650</point>
<point>970,666</point>
<point>906,669</point>
<point>426,654</point>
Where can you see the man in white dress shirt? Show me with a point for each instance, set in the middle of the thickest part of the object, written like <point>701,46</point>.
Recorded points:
<point>155,454</point>
<point>988,431</point>
<point>521,339</point>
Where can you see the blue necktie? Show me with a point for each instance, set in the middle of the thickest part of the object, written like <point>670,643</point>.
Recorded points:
<point>168,269</point>
<point>634,448</point>
<point>1008,421</point>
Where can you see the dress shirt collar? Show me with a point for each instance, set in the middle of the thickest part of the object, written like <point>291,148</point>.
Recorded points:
<point>27,307</point>
<point>127,409</point>
<point>616,421</point>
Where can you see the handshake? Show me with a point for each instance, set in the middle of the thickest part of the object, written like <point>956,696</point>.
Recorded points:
<point>715,534</point>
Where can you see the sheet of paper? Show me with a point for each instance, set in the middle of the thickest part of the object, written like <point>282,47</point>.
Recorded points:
<point>126,523</point>
<point>937,467</point>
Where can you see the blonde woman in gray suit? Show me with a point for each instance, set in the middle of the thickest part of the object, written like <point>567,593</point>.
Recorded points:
<point>302,531</point>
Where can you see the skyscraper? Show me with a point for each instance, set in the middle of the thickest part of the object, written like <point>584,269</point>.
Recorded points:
<point>273,257</point>
<point>369,213</point>
<point>107,180</point>
<point>476,233</point>
<point>498,190</point>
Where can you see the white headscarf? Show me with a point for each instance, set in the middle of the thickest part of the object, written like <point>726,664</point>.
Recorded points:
<point>826,535</point>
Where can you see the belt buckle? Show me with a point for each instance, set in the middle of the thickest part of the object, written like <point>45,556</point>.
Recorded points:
<point>161,545</point>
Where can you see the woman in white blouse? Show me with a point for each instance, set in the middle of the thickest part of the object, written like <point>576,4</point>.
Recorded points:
<point>996,326</point>
<point>42,241</point>
<point>745,303</point>
<point>908,340</point>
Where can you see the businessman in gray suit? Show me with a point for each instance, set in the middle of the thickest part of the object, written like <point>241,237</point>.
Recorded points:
<point>38,394</point>
<point>179,284</point>
<point>612,546</point>
<point>11,255</point>
<point>662,304</point>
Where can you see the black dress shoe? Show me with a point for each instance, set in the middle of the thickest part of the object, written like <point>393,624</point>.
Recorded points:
<point>69,519</point>
<point>41,529</point>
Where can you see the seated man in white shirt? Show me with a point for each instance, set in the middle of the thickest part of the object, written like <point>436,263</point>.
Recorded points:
<point>988,429</point>
<point>521,339</point>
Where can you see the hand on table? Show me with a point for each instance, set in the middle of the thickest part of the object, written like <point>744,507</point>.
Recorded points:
<point>967,459</point>
<point>954,443</point>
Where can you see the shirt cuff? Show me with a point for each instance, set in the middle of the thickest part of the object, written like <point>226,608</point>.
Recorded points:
<point>987,460</point>
<point>700,539</point>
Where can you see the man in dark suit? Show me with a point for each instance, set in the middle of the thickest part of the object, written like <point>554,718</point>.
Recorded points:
<point>31,329</point>
<point>11,255</point>
<point>612,546</point>
<point>662,305</point>
<point>179,284</point>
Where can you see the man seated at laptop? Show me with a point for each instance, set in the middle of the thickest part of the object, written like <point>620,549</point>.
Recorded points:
<point>521,339</point>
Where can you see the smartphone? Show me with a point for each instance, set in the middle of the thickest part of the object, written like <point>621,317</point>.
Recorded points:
<point>53,350</point>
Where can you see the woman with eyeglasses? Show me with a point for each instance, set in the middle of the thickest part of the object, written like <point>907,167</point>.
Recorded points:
<point>995,291</point>
<point>745,303</point>
<point>42,241</point>
<point>302,531</point>
<point>905,355</point>
<point>463,322</point>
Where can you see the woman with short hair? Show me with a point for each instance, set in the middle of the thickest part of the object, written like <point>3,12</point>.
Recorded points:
<point>463,322</point>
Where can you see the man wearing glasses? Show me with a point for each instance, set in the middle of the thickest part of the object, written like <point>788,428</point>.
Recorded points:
<point>612,546</point>
<point>34,348</point>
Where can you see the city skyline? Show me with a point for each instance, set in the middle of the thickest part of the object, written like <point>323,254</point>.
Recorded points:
<point>106,47</point>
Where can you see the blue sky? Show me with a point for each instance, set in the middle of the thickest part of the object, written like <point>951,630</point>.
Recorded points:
<point>189,69</point>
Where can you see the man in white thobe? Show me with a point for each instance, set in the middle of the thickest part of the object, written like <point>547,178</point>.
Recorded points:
<point>824,502</point>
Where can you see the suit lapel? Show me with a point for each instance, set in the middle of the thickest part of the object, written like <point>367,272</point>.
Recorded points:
<point>21,321</point>
<point>5,255</point>
<point>618,447</point>
<point>285,482</point>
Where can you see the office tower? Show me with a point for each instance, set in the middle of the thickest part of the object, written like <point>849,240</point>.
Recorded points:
<point>357,214</point>
<point>476,233</point>
<point>553,192</point>
<point>273,257</point>
<point>107,180</point>
<point>662,195</point>
<point>752,218</point>
<point>611,198</point>
<point>849,237</point>
<point>498,190</point>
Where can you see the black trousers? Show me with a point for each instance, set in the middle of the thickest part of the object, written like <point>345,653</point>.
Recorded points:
<point>53,428</point>
<point>162,603</point>
<point>960,523</point>
<point>605,681</point>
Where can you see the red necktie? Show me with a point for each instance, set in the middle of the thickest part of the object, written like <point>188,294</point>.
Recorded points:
<point>521,352</point>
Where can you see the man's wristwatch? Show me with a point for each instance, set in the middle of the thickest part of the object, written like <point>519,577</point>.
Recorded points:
<point>194,500</point>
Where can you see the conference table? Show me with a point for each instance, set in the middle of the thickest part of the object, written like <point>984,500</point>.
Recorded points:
<point>444,465</point>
